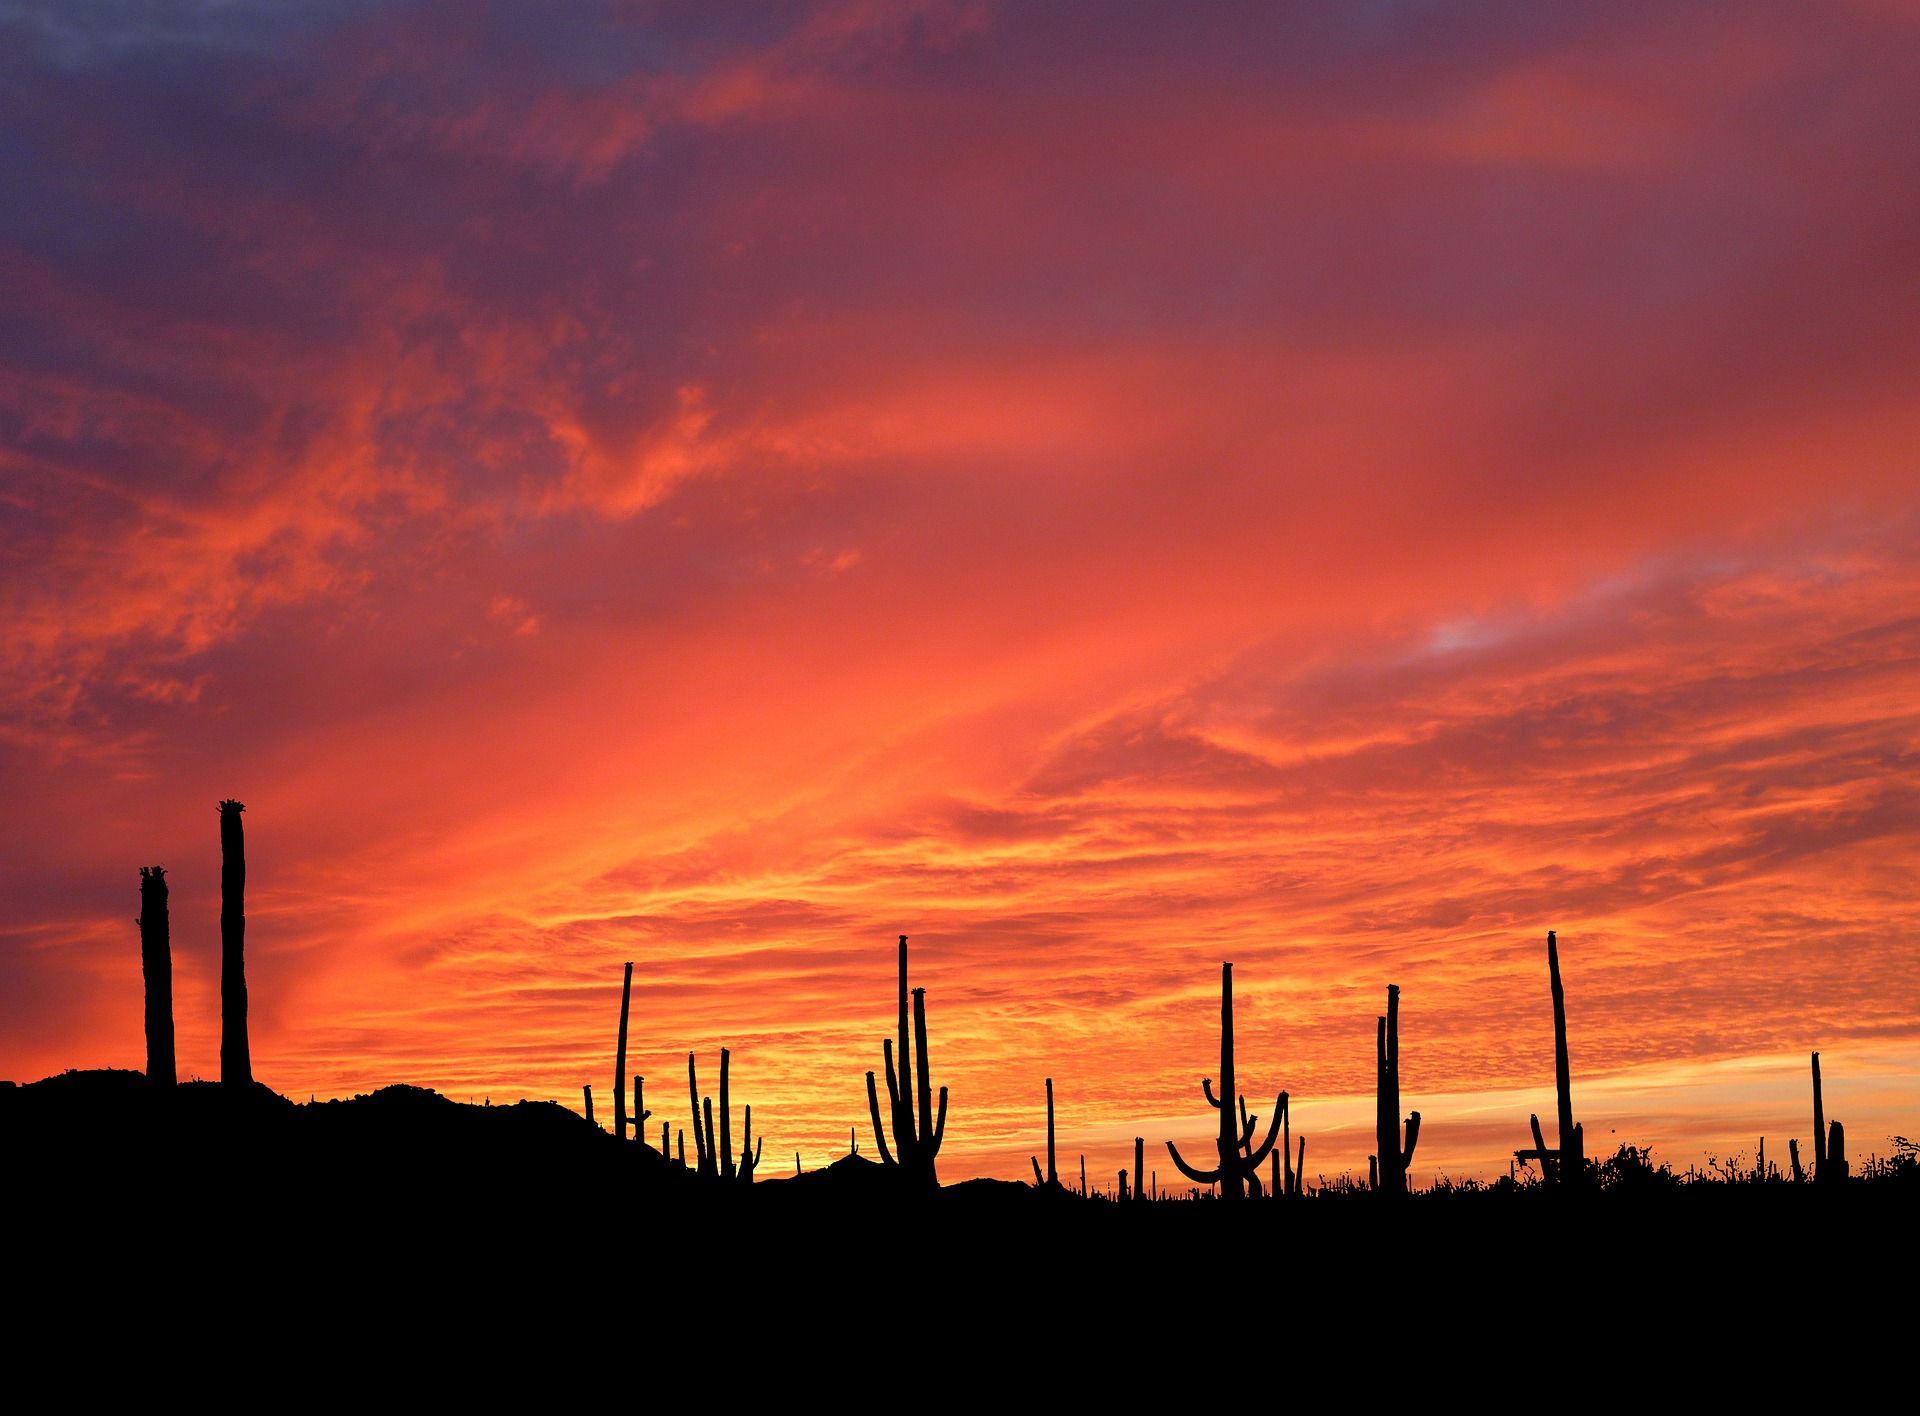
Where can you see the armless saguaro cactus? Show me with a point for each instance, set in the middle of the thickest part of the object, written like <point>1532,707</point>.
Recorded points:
<point>1236,1166</point>
<point>156,969</point>
<point>915,1144</point>
<point>1394,1160</point>
<point>236,1062</point>
<point>620,1064</point>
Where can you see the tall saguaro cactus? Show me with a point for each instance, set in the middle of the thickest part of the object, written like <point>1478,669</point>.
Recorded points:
<point>1829,1141</point>
<point>916,1144</point>
<point>1393,1159</point>
<point>620,1066</point>
<point>236,1062</point>
<point>1566,1165</point>
<point>1052,1176</point>
<point>1237,1165</point>
<point>156,969</point>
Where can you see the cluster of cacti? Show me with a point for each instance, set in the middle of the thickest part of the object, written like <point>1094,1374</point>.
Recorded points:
<point>1393,1157</point>
<point>1285,1173</point>
<point>1239,1161</point>
<point>715,1156</point>
<point>915,1144</point>
<point>1567,1164</point>
<point>156,960</point>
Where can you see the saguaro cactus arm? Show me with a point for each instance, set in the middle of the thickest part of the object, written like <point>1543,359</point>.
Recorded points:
<point>1199,1177</point>
<point>693,1099</point>
<point>903,1136</point>
<point>879,1131</point>
<point>1273,1134</point>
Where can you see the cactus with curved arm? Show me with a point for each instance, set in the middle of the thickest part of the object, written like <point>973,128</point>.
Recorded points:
<point>1240,1161</point>
<point>1394,1159</point>
<point>916,1145</point>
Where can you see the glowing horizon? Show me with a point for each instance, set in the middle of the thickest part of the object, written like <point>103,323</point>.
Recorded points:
<point>1344,489</point>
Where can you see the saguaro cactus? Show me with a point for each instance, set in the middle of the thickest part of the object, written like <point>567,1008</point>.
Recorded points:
<point>640,1112</point>
<point>236,1063</point>
<point>916,1144</point>
<point>620,1065</point>
<point>1568,1163</point>
<point>1139,1167</point>
<point>716,1158</point>
<point>156,968</point>
<point>1829,1142</point>
<point>1052,1176</point>
<point>1394,1160</point>
<point>1237,1165</point>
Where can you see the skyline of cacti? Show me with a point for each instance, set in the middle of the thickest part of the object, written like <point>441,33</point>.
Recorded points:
<point>1236,1176</point>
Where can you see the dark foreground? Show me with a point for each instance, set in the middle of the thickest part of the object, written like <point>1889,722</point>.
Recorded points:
<point>458,1241</point>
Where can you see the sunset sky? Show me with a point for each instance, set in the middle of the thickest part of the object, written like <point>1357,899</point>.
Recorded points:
<point>1102,490</point>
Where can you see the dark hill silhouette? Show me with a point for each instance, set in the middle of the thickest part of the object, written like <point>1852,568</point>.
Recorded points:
<point>403,1211</point>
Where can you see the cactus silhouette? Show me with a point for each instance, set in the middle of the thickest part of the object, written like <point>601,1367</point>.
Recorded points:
<point>640,1113</point>
<point>586,1095</point>
<point>916,1145</point>
<point>1393,1159</point>
<point>1567,1164</point>
<point>716,1156</point>
<point>1238,1161</point>
<point>1052,1176</point>
<point>236,1061</point>
<point>156,969</point>
<point>1139,1167</point>
<point>620,1063</point>
<point>1829,1142</point>
<point>1247,1123</point>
